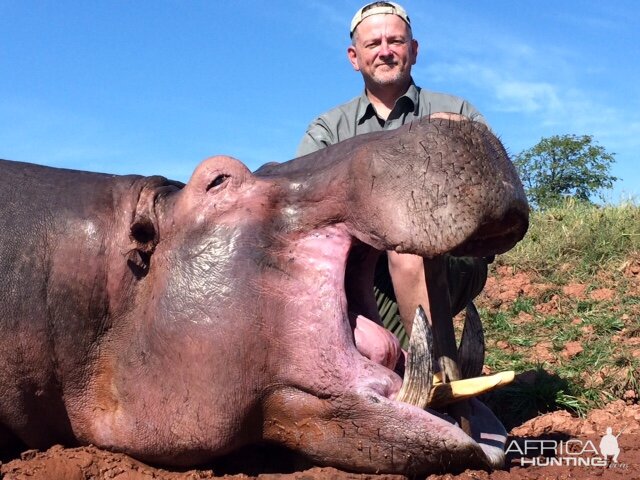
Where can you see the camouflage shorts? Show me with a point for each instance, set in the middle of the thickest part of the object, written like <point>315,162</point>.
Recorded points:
<point>466,277</point>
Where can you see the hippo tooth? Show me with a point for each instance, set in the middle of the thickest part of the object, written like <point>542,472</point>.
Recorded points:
<point>471,359</point>
<point>472,348</point>
<point>446,393</point>
<point>418,377</point>
<point>424,389</point>
<point>446,351</point>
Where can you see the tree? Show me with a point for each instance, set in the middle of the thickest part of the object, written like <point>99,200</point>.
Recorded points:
<point>564,166</point>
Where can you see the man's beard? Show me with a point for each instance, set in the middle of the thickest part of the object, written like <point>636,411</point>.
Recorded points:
<point>389,77</point>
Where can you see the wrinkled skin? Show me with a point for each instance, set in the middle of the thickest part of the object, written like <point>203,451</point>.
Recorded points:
<point>178,323</point>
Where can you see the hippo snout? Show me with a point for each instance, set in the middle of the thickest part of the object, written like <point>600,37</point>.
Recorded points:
<point>431,187</point>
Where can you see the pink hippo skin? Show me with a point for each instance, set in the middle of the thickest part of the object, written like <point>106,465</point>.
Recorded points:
<point>178,323</point>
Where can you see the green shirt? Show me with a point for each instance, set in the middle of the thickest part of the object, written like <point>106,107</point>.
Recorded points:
<point>358,116</point>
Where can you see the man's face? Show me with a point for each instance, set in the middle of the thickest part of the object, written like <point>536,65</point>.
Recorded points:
<point>383,50</point>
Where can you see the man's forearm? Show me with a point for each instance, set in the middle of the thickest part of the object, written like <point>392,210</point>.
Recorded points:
<point>409,284</point>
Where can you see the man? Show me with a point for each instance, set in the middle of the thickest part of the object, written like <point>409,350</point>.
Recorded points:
<point>383,50</point>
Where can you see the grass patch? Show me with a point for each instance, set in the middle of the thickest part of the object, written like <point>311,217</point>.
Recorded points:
<point>522,304</point>
<point>577,346</point>
<point>499,323</point>
<point>586,237</point>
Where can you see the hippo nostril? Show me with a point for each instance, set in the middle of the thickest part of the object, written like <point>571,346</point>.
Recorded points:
<point>143,231</point>
<point>219,180</point>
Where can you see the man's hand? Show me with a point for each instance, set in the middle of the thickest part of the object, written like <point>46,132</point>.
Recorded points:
<point>449,116</point>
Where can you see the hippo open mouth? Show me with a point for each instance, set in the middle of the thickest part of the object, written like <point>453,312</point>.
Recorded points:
<point>471,204</point>
<point>343,278</point>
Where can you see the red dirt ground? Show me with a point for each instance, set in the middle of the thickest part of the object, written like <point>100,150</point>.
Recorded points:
<point>93,463</point>
<point>90,462</point>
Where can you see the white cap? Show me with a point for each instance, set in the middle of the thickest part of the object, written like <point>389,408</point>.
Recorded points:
<point>389,8</point>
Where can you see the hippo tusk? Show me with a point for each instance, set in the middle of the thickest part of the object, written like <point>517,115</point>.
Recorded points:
<point>445,393</point>
<point>416,387</point>
<point>471,359</point>
<point>472,348</point>
<point>446,351</point>
<point>423,389</point>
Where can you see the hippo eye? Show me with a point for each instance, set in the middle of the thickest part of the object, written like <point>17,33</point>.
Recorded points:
<point>219,180</point>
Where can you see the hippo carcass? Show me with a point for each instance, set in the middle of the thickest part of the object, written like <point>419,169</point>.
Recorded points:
<point>177,323</point>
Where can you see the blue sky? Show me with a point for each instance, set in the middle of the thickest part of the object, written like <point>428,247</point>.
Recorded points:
<point>155,87</point>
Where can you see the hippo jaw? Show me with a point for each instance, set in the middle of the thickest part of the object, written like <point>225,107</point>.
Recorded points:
<point>353,420</point>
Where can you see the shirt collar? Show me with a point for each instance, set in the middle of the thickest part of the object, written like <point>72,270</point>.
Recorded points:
<point>366,110</point>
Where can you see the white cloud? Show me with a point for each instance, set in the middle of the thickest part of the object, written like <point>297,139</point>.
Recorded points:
<point>508,93</point>
<point>541,86</point>
<point>528,97</point>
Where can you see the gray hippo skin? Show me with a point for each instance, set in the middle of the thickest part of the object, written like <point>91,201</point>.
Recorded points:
<point>177,323</point>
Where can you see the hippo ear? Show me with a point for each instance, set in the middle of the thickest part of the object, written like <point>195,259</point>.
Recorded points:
<point>143,231</point>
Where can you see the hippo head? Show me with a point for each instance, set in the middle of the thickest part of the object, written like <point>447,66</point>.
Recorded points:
<point>245,287</point>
